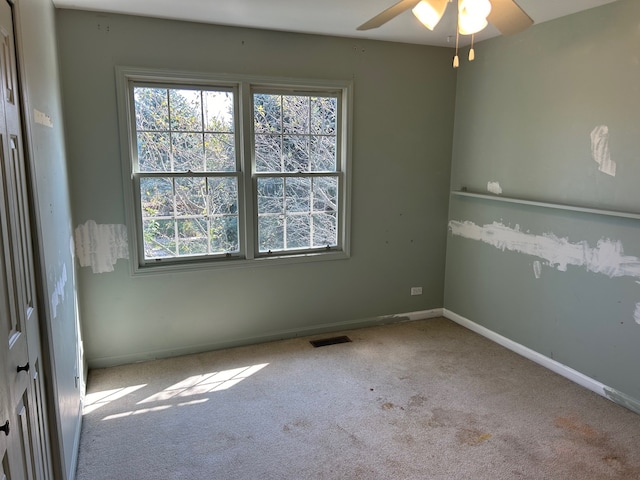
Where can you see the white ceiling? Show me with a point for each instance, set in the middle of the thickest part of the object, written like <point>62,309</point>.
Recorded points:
<point>326,17</point>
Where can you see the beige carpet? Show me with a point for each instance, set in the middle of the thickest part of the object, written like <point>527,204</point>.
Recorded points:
<point>419,400</point>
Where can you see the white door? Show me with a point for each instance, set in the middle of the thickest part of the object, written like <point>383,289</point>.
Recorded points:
<point>23,439</point>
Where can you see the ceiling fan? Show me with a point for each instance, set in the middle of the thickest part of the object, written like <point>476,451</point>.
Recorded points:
<point>473,16</point>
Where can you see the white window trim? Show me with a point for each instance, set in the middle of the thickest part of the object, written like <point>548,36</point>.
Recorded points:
<point>244,85</point>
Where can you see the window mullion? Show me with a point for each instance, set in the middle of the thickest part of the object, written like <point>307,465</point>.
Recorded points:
<point>175,215</point>
<point>248,184</point>
<point>284,213</point>
<point>311,209</point>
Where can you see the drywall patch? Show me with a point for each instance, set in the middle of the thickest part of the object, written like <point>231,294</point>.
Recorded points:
<point>494,187</point>
<point>600,150</point>
<point>100,246</point>
<point>537,268</point>
<point>57,296</point>
<point>607,257</point>
<point>42,118</point>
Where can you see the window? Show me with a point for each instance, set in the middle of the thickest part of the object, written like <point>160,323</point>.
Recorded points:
<point>219,169</point>
<point>295,142</point>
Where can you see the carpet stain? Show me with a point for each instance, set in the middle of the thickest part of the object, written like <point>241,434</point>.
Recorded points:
<point>472,437</point>
<point>613,461</point>
<point>442,417</point>
<point>388,406</point>
<point>297,425</point>
<point>575,426</point>
<point>352,436</point>
<point>417,401</point>
<point>607,456</point>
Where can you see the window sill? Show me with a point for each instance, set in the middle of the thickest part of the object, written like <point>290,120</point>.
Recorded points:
<point>271,260</point>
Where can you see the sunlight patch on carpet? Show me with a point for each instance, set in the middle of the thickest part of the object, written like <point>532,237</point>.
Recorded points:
<point>95,400</point>
<point>205,383</point>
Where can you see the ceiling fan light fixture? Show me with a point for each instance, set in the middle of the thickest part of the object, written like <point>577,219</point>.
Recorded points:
<point>429,12</point>
<point>469,26</point>
<point>472,16</point>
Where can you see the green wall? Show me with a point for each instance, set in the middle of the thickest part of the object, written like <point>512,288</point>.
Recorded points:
<point>526,111</point>
<point>402,137</point>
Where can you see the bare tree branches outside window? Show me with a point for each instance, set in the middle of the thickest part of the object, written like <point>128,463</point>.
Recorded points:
<point>195,178</point>
<point>186,134</point>
<point>296,134</point>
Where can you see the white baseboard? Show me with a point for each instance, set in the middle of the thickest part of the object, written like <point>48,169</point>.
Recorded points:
<point>269,337</point>
<point>71,473</point>
<point>557,367</point>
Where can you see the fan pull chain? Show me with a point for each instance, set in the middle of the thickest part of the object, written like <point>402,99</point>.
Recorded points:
<point>456,60</point>
<point>472,52</point>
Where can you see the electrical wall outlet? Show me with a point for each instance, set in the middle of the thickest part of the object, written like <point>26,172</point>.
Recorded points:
<point>416,290</point>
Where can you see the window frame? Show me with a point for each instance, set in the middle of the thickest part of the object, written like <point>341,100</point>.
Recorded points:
<point>243,87</point>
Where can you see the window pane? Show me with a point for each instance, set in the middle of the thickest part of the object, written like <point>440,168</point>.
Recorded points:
<point>154,153</point>
<point>325,194</point>
<point>224,235</point>
<point>156,197</point>
<point>270,233</point>
<point>298,194</point>
<point>188,152</point>
<point>218,111</point>
<point>223,196</point>
<point>270,195</point>
<point>324,115</point>
<point>191,198</point>
<point>152,108</point>
<point>190,130</point>
<point>296,134</point>
<point>323,154</point>
<point>295,149</point>
<point>267,113</point>
<point>220,152</point>
<point>159,238</point>
<point>298,229</point>
<point>268,153</point>
<point>193,236</point>
<point>185,110</point>
<point>325,230</point>
<point>295,114</point>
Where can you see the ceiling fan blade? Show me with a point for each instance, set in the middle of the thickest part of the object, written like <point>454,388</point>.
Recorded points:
<point>508,17</point>
<point>388,14</point>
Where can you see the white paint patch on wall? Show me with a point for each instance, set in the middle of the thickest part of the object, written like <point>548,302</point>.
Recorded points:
<point>57,296</point>
<point>42,118</point>
<point>600,150</point>
<point>537,268</point>
<point>100,246</point>
<point>607,257</point>
<point>494,187</point>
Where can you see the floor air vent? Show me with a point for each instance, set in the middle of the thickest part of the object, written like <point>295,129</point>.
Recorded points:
<point>329,341</point>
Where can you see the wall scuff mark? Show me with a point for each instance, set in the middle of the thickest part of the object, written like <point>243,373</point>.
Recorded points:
<point>100,246</point>
<point>58,293</point>
<point>600,150</point>
<point>607,257</point>
<point>494,187</point>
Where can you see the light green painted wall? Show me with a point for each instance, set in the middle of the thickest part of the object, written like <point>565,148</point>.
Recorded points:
<point>525,110</point>
<point>402,137</point>
<point>36,38</point>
